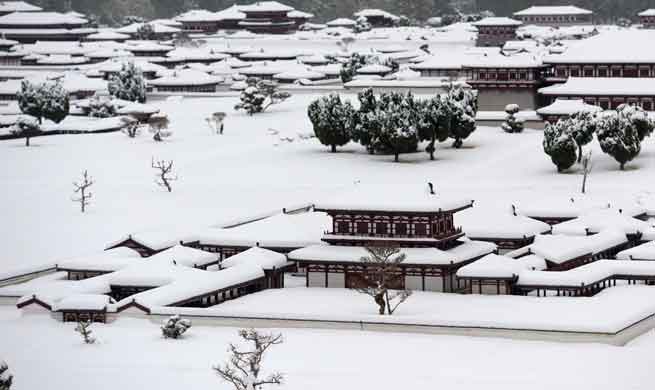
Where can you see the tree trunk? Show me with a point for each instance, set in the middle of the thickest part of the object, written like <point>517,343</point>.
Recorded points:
<point>559,169</point>
<point>622,166</point>
<point>579,153</point>
<point>333,148</point>
<point>395,159</point>
<point>27,141</point>
<point>584,182</point>
<point>379,299</point>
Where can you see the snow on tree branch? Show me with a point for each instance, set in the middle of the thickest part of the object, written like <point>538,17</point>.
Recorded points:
<point>81,188</point>
<point>164,176</point>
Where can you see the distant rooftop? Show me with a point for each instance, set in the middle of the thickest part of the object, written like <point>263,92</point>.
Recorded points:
<point>553,10</point>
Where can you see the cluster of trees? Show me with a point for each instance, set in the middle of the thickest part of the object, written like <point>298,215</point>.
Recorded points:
<point>619,133</point>
<point>351,65</point>
<point>395,123</point>
<point>47,100</point>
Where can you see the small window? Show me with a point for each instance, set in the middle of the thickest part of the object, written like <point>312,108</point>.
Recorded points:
<point>420,229</point>
<point>380,228</point>
<point>401,229</point>
<point>343,227</point>
<point>362,227</point>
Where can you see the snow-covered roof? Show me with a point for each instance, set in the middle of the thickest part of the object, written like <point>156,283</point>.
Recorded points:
<point>495,266</point>
<point>587,274</point>
<point>403,201</point>
<point>265,6</point>
<point>374,69</point>
<point>62,59</point>
<point>374,12</point>
<point>567,107</point>
<point>608,47</point>
<point>497,21</point>
<point>553,10</point>
<point>598,220</point>
<point>107,35</point>
<point>645,251</point>
<point>195,284</point>
<point>156,239</point>
<point>110,260</point>
<point>602,86</point>
<point>18,6</point>
<point>114,65</point>
<point>95,302</point>
<point>268,68</point>
<point>40,19</point>
<point>198,15</point>
<point>270,54</point>
<point>341,22</point>
<point>419,256</point>
<point>482,225</point>
<point>279,231</point>
<point>329,69</point>
<point>648,12</point>
<point>148,46</point>
<point>231,13</point>
<point>520,60</point>
<point>196,54</point>
<point>158,28</point>
<point>267,259</point>
<point>299,74</point>
<point>183,255</point>
<point>295,14</point>
<point>559,248</point>
<point>186,77</point>
<point>557,207</point>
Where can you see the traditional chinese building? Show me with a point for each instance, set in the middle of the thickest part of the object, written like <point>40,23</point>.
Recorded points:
<point>495,31</point>
<point>268,17</point>
<point>555,16</point>
<point>378,17</point>
<point>647,18</point>
<point>422,229</point>
<point>606,92</point>
<point>502,80</point>
<point>29,27</point>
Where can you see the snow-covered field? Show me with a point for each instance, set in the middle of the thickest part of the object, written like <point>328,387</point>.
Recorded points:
<point>249,170</point>
<point>132,355</point>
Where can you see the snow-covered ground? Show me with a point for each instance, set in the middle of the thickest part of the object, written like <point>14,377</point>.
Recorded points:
<point>254,168</point>
<point>132,355</point>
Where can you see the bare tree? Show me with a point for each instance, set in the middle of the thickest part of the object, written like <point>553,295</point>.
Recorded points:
<point>215,122</point>
<point>131,127</point>
<point>165,176</point>
<point>382,273</point>
<point>81,188</point>
<point>159,127</point>
<point>83,328</point>
<point>243,368</point>
<point>587,165</point>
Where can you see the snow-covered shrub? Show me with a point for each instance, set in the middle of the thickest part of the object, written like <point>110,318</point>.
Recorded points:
<point>259,95</point>
<point>433,122</point>
<point>331,119</point>
<point>463,103</point>
<point>512,124</point>
<point>101,108</point>
<point>175,326</point>
<point>145,32</point>
<point>27,127</point>
<point>128,84</point>
<point>48,100</point>
<point>639,119</point>
<point>362,25</point>
<point>131,19</point>
<point>6,378</point>
<point>350,67</point>
<point>581,126</point>
<point>243,369</point>
<point>618,137</point>
<point>559,145</point>
<point>84,329</point>
<point>158,126</point>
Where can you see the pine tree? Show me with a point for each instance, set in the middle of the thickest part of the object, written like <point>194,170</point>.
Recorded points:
<point>259,95</point>
<point>145,32</point>
<point>158,126</point>
<point>331,119</point>
<point>349,68</point>
<point>463,104</point>
<point>618,137</point>
<point>101,108</point>
<point>639,119</point>
<point>84,329</point>
<point>46,100</point>
<point>128,84</point>
<point>581,127</point>
<point>394,121</point>
<point>362,25</point>
<point>559,144</point>
<point>363,130</point>
<point>175,326</point>
<point>512,124</point>
<point>433,123</point>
